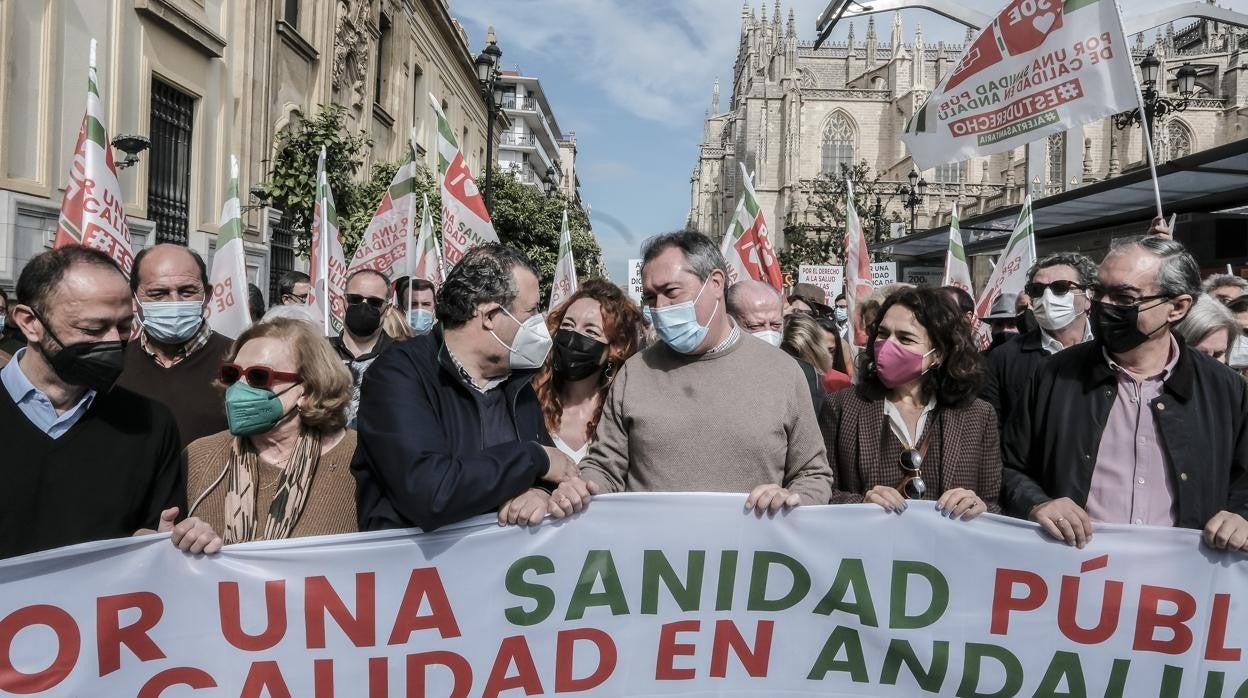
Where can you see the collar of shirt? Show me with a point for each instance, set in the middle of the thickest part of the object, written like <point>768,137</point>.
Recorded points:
<point>1165,372</point>
<point>466,377</point>
<point>730,340</point>
<point>191,346</point>
<point>1050,344</point>
<point>383,341</point>
<point>36,405</point>
<point>898,424</point>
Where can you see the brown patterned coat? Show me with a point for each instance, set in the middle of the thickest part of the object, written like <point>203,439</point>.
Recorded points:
<point>964,450</point>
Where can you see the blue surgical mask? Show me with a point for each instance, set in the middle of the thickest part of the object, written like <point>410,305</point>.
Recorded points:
<point>842,314</point>
<point>172,322</point>
<point>677,325</point>
<point>420,320</point>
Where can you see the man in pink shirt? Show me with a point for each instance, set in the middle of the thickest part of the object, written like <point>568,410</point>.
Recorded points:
<point>1133,427</point>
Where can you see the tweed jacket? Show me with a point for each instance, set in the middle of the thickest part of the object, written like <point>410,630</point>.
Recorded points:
<point>967,454</point>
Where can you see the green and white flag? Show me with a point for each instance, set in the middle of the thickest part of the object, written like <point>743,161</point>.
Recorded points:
<point>428,258</point>
<point>384,247</point>
<point>564,284</point>
<point>329,269</point>
<point>1010,274</point>
<point>957,271</point>
<point>228,311</point>
<point>465,220</point>
<point>93,212</point>
<point>747,245</point>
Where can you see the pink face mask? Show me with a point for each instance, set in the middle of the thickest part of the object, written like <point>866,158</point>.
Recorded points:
<point>896,365</point>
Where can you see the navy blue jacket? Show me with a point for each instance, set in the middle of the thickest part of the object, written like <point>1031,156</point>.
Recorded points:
<point>421,459</point>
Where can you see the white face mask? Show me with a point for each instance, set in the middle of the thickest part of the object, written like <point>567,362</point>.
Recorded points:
<point>1054,312</point>
<point>772,337</point>
<point>1239,352</point>
<point>531,344</point>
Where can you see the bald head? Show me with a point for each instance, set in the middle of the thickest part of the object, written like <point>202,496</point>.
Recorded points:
<point>756,306</point>
<point>168,272</point>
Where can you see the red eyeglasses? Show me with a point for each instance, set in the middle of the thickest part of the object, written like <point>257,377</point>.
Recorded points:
<point>256,376</point>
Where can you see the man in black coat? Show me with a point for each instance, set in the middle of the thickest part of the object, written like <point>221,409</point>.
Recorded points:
<point>1133,427</point>
<point>1057,285</point>
<point>449,426</point>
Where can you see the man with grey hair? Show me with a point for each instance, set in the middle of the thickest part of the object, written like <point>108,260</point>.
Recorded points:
<point>1225,287</point>
<point>1057,286</point>
<point>1133,427</point>
<point>449,426</point>
<point>708,408</point>
<point>1210,328</point>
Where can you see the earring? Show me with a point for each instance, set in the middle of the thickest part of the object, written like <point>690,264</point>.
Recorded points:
<point>608,373</point>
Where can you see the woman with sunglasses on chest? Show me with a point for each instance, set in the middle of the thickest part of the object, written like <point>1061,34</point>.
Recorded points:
<point>282,470</point>
<point>912,428</point>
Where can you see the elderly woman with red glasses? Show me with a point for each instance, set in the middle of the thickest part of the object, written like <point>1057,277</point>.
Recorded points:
<point>283,468</point>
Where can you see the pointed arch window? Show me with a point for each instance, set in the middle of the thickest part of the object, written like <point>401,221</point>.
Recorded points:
<point>838,143</point>
<point>1178,140</point>
<point>1057,158</point>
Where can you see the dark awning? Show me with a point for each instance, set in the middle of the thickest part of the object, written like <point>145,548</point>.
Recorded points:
<point>1204,182</point>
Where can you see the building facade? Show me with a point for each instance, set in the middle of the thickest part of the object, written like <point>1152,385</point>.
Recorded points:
<point>796,113</point>
<point>533,147</point>
<point>202,79</point>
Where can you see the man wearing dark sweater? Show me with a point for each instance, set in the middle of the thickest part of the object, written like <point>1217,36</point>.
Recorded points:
<point>83,460</point>
<point>177,356</point>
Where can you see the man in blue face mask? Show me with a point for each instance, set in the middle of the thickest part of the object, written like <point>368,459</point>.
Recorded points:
<point>176,356</point>
<point>707,409</point>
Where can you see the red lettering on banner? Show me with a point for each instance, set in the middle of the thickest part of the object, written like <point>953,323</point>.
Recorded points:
<point>665,666</point>
<point>514,649</point>
<point>1216,649</point>
<point>231,617</point>
<point>1110,601</point>
<point>190,677</point>
<point>1149,619</point>
<point>378,679</point>
<point>424,584</point>
<point>1004,602</point>
<point>565,651</point>
<point>461,672</point>
<point>320,598</point>
<point>265,679</point>
<point>754,660</point>
<point>68,644</point>
<point>110,636</point>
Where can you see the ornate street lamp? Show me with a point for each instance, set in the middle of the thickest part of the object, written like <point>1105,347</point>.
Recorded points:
<point>1157,107</point>
<point>487,64</point>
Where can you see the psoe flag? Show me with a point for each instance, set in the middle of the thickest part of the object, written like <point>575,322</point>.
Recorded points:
<point>564,284</point>
<point>384,247</point>
<point>747,242</point>
<point>1010,274</point>
<point>1040,67</point>
<point>228,311</point>
<point>957,270</point>
<point>465,220</point>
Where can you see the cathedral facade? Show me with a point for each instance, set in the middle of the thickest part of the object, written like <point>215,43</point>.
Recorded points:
<point>796,113</point>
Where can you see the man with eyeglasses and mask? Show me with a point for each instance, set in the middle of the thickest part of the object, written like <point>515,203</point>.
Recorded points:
<point>1133,427</point>
<point>709,408</point>
<point>176,356</point>
<point>1057,286</point>
<point>363,340</point>
<point>449,425</point>
<point>84,460</point>
<point>293,288</point>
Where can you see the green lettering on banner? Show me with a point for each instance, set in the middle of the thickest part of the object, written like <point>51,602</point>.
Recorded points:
<point>1171,681</point>
<point>1117,678</point>
<point>851,573</point>
<point>976,653</point>
<point>929,679</point>
<point>1064,667</point>
<point>542,595</point>
<point>598,565</point>
<point>656,568</point>
<point>760,573</point>
<point>727,580</point>
<point>898,619</point>
<point>1213,684</point>
<point>854,663</point>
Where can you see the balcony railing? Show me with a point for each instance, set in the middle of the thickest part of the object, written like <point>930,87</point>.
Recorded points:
<point>518,139</point>
<point>520,103</point>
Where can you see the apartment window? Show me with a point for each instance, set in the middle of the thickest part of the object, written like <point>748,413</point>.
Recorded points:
<point>290,12</point>
<point>169,165</point>
<point>382,80</point>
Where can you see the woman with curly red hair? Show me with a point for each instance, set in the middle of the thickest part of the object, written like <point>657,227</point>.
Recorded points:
<point>595,331</point>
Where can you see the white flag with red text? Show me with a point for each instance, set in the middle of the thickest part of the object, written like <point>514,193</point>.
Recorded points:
<point>428,260</point>
<point>329,267</point>
<point>857,267</point>
<point>465,220</point>
<point>747,243</point>
<point>564,284</point>
<point>93,212</point>
<point>229,312</point>
<point>1010,274</point>
<point>384,247</point>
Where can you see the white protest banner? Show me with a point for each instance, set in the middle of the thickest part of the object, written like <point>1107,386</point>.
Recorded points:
<point>641,595</point>
<point>829,277</point>
<point>883,273</point>
<point>634,279</point>
<point>1040,67</point>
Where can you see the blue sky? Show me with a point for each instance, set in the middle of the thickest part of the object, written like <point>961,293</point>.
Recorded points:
<point>633,79</point>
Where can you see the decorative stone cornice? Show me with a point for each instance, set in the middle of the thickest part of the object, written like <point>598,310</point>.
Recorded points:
<point>173,16</point>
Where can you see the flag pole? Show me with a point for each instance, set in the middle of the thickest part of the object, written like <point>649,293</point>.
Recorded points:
<point>323,262</point>
<point>1148,137</point>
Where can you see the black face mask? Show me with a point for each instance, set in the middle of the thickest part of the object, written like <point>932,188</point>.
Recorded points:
<point>1118,327</point>
<point>575,356</point>
<point>1026,321</point>
<point>93,365</point>
<point>362,319</point>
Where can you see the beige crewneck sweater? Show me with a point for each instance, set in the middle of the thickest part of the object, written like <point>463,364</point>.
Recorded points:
<point>724,422</point>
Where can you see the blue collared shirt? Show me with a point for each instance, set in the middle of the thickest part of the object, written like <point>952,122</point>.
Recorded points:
<point>35,404</point>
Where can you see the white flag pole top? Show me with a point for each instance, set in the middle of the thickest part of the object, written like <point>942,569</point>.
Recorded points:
<point>1148,137</point>
<point>323,262</point>
<point>91,59</point>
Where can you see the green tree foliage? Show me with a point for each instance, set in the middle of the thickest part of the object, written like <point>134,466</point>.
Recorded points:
<point>824,242</point>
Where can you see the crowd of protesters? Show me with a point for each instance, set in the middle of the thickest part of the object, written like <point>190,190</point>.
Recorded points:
<point>1107,393</point>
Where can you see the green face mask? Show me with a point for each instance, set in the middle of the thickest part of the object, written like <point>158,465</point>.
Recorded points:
<point>251,410</point>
